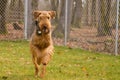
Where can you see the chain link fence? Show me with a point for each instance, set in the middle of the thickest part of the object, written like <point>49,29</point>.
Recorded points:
<point>97,28</point>
<point>11,19</point>
<point>91,24</point>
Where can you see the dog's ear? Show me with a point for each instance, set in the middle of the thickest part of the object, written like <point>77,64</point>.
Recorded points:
<point>52,14</point>
<point>36,14</point>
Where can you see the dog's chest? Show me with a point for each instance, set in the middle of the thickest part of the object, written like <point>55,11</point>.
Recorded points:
<point>41,42</point>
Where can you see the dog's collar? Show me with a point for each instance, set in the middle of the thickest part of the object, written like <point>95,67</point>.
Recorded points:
<point>38,31</point>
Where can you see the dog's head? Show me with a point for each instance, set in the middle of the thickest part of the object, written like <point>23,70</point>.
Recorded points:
<point>42,21</point>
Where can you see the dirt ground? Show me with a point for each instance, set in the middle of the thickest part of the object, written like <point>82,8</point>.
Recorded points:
<point>12,34</point>
<point>86,38</point>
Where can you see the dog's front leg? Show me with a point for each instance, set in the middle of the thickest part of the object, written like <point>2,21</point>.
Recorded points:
<point>43,70</point>
<point>36,66</point>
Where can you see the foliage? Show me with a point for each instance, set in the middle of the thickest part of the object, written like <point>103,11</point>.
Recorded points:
<point>66,64</point>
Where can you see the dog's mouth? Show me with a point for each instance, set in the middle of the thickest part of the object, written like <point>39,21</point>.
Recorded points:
<point>42,30</point>
<point>45,30</point>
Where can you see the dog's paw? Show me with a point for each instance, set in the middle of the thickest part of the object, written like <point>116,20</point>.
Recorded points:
<point>41,75</point>
<point>36,76</point>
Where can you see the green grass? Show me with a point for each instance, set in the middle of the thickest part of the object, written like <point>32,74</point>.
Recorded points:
<point>66,64</point>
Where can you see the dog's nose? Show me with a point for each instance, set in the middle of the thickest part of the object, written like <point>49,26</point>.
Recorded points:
<point>45,29</point>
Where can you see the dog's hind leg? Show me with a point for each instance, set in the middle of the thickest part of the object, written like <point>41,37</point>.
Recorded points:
<point>36,65</point>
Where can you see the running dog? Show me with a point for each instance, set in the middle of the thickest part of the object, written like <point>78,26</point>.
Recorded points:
<point>41,44</point>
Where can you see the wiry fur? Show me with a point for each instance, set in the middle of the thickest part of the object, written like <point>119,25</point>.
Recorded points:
<point>41,46</point>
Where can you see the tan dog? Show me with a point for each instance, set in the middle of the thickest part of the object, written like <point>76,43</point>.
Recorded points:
<point>41,44</point>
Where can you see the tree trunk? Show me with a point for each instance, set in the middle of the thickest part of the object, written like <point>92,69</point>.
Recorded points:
<point>97,13</point>
<point>59,31</point>
<point>29,23</point>
<point>107,29</point>
<point>43,4</point>
<point>77,13</point>
<point>3,4</point>
<point>89,12</point>
<point>101,17</point>
<point>20,8</point>
<point>93,13</point>
<point>103,25</point>
<point>86,13</point>
<point>32,5</point>
<point>55,7</point>
<point>54,4</point>
<point>69,16</point>
<point>12,4</point>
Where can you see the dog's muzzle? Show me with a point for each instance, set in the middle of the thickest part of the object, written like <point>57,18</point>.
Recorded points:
<point>43,30</point>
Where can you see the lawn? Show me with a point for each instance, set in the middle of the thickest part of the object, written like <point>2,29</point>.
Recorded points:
<point>66,64</point>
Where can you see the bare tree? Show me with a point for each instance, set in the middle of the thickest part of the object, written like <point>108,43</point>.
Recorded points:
<point>59,31</point>
<point>15,11</point>
<point>2,16</point>
<point>77,13</point>
<point>101,10</point>
<point>104,15</point>
<point>55,5</point>
<point>93,12</point>
<point>12,4</point>
<point>107,29</point>
<point>32,5</point>
<point>89,12</point>
<point>86,12</point>
<point>44,4</point>
<point>69,14</point>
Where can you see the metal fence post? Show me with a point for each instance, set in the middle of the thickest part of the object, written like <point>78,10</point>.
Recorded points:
<point>66,25</point>
<point>25,18</point>
<point>116,39</point>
